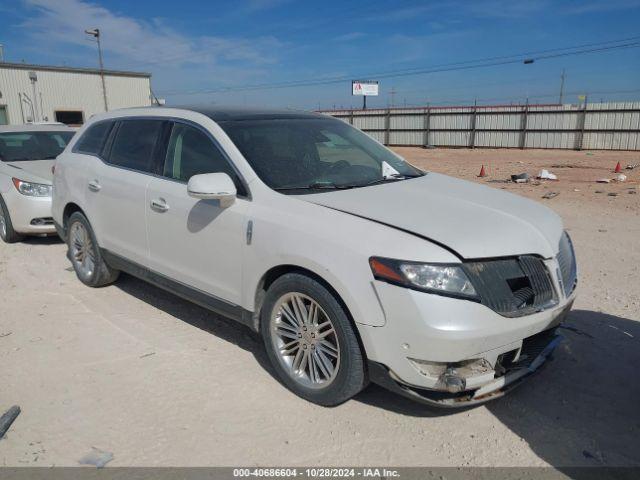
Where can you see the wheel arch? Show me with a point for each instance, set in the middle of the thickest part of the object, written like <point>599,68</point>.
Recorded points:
<point>278,271</point>
<point>69,209</point>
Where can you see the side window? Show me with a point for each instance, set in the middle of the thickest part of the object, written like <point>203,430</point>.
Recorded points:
<point>191,152</point>
<point>93,139</point>
<point>134,143</point>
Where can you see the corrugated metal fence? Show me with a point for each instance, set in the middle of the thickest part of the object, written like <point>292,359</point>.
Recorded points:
<point>591,126</point>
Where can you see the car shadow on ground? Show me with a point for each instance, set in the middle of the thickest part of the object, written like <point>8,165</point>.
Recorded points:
<point>43,240</point>
<point>199,317</point>
<point>582,408</point>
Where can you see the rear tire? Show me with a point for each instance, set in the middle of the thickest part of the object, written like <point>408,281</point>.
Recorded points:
<point>311,342</point>
<point>7,233</point>
<point>85,254</point>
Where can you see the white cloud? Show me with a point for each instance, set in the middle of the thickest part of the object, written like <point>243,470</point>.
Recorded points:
<point>142,43</point>
<point>349,37</point>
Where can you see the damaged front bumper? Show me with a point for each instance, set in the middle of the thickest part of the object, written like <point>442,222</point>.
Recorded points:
<point>512,368</point>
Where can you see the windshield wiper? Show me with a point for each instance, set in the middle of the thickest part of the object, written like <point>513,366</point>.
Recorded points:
<point>328,185</point>
<point>396,177</point>
<point>316,186</point>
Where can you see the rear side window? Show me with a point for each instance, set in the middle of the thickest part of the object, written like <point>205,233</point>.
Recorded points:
<point>191,152</point>
<point>134,143</point>
<point>93,139</point>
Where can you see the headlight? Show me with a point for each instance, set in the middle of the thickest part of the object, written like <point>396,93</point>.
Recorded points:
<point>434,278</point>
<point>32,189</point>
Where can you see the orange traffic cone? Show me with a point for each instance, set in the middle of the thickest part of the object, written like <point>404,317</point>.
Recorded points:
<point>618,168</point>
<point>483,173</point>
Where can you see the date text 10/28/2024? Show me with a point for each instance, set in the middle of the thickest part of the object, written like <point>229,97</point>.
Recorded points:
<point>316,472</point>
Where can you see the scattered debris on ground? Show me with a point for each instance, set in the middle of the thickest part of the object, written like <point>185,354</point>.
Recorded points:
<point>7,419</point>
<point>546,175</point>
<point>98,458</point>
<point>612,194</point>
<point>620,178</point>
<point>549,195</point>
<point>520,178</point>
<point>632,166</point>
<point>147,354</point>
<point>6,334</point>
<point>603,180</point>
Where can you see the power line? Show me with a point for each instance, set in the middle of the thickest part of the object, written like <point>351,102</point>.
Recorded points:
<point>457,66</point>
<point>470,101</point>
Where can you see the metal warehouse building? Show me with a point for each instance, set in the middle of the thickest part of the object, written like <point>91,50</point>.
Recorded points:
<point>40,93</point>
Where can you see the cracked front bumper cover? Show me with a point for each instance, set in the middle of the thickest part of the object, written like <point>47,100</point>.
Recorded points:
<point>513,376</point>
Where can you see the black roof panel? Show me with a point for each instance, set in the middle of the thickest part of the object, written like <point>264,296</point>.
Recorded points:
<point>220,114</point>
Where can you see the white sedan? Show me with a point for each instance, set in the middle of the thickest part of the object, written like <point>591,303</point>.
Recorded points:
<point>27,155</point>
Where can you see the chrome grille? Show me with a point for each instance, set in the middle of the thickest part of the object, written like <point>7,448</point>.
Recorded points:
<point>567,264</point>
<point>513,287</point>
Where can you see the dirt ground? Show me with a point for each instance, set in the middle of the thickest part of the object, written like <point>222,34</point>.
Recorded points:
<point>132,370</point>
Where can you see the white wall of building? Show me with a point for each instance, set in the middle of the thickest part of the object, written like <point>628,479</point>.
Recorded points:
<point>60,89</point>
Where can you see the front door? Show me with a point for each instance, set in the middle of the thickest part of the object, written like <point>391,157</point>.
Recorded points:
<point>196,242</point>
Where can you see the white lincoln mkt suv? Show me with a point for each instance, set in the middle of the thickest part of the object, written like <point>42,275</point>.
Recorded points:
<point>353,265</point>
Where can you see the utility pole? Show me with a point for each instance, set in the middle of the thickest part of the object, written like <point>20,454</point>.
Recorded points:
<point>561,87</point>
<point>393,96</point>
<point>96,34</point>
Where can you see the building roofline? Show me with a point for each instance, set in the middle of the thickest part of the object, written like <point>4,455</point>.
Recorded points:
<point>53,68</point>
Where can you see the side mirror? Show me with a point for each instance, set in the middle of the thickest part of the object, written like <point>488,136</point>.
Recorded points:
<point>213,186</point>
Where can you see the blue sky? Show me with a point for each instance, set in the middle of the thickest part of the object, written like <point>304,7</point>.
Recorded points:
<point>192,46</point>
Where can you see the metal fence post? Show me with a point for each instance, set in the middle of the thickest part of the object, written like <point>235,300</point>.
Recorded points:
<point>425,125</point>
<point>523,126</point>
<point>387,126</point>
<point>472,135</point>
<point>351,117</point>
<point>581,123</point>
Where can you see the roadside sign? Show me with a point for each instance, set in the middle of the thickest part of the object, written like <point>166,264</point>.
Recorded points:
<point>364,87</point>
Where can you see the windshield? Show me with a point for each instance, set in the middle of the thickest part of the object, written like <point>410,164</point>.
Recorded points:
<point>306,155</point>
<point>22,146</point>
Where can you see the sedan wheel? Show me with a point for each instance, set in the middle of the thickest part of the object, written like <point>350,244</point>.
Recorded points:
<point>305,339</point>
<point>7,233</point>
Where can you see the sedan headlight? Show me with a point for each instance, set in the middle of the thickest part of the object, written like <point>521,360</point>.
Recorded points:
<point>443,279</point>
<point>32,189</point>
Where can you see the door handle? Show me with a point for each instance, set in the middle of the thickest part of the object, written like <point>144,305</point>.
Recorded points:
<point>94,186</point>
<point>159,205</point>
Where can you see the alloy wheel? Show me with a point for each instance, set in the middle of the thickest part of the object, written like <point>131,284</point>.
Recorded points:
<point>82,250</point>
<point>305,340</point>
<point>3,223</point>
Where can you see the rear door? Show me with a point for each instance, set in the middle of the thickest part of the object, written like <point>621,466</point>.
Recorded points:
<point>117,186</point>
<point>196,242</point>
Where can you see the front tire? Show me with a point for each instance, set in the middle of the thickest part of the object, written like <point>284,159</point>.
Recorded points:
<point>311,342</point>
<point>7,233</point>
<point>85,254</point>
